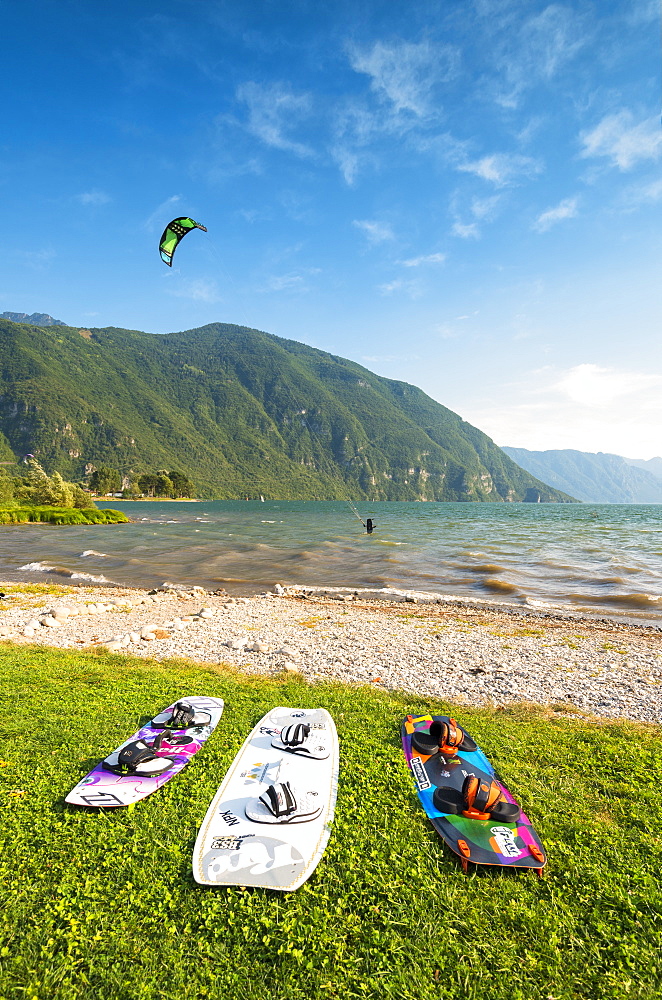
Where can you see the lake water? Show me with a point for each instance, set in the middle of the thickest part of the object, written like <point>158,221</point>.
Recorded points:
<point>603,559</point>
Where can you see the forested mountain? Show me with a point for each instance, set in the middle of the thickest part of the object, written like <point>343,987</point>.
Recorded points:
<point>597,478</point>
<point>240,412</point>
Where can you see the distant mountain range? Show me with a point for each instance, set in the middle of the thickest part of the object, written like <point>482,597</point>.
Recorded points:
<point>36,319</point>
<point>241,413</point>
<point>595,478</point>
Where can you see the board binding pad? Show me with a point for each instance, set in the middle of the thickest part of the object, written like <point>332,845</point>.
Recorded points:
<point>102,788</point>
<point>233,850</point>
<point>476,841</point>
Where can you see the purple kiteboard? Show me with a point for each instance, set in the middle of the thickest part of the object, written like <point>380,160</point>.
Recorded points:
<point>150,757</point>
<point>464,799</point>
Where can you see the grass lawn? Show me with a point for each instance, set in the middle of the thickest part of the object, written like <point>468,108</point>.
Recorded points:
<point>103,905</point>
<point>60,515</point>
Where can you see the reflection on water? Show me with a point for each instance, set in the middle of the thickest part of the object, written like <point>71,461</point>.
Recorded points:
<point>536,554</point>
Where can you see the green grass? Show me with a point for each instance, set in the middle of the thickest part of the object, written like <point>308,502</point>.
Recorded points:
<point>60,515</point>
<point>102,906</point>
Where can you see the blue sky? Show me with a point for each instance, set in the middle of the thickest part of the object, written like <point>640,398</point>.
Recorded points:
<point>464,194</point>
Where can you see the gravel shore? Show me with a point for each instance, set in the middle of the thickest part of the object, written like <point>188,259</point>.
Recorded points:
<point>460,652</point>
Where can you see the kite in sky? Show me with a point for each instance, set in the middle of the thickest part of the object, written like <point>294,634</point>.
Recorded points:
<point>173,234</point>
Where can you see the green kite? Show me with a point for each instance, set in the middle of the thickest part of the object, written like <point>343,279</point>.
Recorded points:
<point>173,234</point>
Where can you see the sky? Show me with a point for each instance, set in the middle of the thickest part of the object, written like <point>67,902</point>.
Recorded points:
<point>461,194</point>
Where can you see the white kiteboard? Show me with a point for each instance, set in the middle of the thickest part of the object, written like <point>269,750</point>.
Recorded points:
<point>269,822</point>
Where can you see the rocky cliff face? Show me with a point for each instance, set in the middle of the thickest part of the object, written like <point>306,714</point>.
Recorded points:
<point>36,319</point>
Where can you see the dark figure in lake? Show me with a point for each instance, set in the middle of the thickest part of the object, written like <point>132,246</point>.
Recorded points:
<point>369,526</point>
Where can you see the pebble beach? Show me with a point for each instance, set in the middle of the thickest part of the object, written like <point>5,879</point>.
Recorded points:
<point>462,652</point>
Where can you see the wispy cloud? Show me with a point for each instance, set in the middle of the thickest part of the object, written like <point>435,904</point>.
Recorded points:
<point>566,209</point>
<point>159,213</point>
<point>410,288</point>
<point>466,231</point>
<point>525,49</point>
<point>37,260</point>
<point>273,112</point>
<point>389,358</point>
<point>405,73</point>
<point>376,232</point>
<point>293,281</point>
<point>201,290</point>
<point>94,197</point>
<point>501,169</point>
<point>430,258</point>
<point>623,140</point>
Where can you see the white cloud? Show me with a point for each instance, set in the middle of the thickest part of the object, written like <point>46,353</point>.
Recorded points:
<point>38,260</point>
<point>159,213</point>
<point>587,407</point>
<point>200,290</point>
<point>405,73</point>
<point>94,197</point>
<point>525,50</point>
<point>485,208</point>
<point>466,231</point>
<point>624,141</point>
<point>293,281</point>
<point>273,111</point>
<point>501,168</point>
<point>592,386</point>
<point>389,358</point>
<point>551,39</point>
<point>430,258</point>
<point>411,288</point>
<point>376,232</point>
<point>566,209</point>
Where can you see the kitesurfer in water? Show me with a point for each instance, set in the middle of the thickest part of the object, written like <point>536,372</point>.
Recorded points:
<point>370,525</point>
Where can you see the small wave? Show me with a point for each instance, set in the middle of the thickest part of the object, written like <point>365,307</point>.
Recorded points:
<point>172,522</point>
<point>40,567</point>
<point>499,586</point>
<point>89,576</point>
<point>93,552</point>
<point>267,522</point>
<point>485,568</point>
<point>620,600</point>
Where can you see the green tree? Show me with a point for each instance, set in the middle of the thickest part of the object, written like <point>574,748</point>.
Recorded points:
<point>183,486</point>
<point>105,479</point>
<point>6,486</point>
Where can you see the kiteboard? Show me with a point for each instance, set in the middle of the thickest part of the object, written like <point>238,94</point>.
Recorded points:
<point>269,822</point>
<point>152,756</point>
<point>465,800</point>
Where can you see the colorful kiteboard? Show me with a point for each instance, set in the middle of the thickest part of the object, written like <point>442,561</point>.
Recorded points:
<point>270,820</point>
<point>465,800</point>
<point>152,756</point>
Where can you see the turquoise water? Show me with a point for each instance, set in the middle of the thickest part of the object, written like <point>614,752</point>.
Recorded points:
<point>605,559</point>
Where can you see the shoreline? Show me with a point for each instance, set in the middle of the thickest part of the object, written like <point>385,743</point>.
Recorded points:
<point>463,652</point>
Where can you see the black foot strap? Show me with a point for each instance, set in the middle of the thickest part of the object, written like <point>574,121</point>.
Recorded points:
<point>294,736</point>
<point>479,799</point>
<point>279,799</point>
<point>139,752</point>
<point>183,717</point>
<point>443,737</point>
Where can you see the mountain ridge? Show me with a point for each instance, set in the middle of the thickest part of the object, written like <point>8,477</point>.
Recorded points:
<point>35,319</point>
<point>242,412</point>
<point>594,477</point>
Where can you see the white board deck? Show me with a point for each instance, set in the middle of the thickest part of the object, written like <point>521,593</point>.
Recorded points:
<point>233,850</point>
